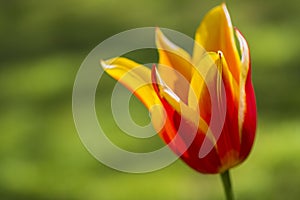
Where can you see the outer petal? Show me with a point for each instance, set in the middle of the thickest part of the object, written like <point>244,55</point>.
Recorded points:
<point>239,129</point>
<point>228,142</point>
<point>135,77</point>
<point>215,33</point>
<point>220,95</point>
<point>247,107</point>
<point>183,136</point>
<point>211,65</point>
<point>245,65</point>
<point>170,129</point>
<point>204,75</point>
<point>198,80</point>
<point>175,66</point>
<point>167,95</point>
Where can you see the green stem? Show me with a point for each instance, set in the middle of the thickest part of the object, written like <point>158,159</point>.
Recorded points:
<point>227,185</point>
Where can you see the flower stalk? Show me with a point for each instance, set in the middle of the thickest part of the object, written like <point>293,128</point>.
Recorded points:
<point>225,176</point>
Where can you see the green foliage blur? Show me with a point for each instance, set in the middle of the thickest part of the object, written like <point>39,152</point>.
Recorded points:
<point>42,45</point>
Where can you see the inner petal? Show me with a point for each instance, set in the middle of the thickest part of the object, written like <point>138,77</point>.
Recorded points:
<point>175,66</point>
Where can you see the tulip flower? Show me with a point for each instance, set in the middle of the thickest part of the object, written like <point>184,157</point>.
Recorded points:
<point>184,93</point>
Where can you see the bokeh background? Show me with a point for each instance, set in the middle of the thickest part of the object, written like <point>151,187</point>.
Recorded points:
<point>42,44</point>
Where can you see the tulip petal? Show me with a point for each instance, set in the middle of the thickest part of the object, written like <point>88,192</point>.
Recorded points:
<point>247,108</point>
<point>198,80</point>
<point>229,142</point>
<point>183,126</point>
<point>165,92</point>
<point>175,66</point>
<point>215,33</point>
<point>245,64</point>
<point>212,68</point>
<point>169,131</point>
<point>134,76</point>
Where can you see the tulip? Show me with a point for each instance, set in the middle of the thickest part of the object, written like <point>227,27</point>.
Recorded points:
<point>189,88</point>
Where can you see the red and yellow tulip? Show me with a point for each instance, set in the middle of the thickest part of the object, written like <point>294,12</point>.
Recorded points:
<point>178,95</point>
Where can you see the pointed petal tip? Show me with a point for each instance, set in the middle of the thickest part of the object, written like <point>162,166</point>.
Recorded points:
<point>103,64</point>
<point>106,65</point>
<point>220,53</point>
<point>156,78</point>
<point>244,48</point>
<point>223,5</point>
<point>163,43</point>
<point>223,8</point>
<point>153,73</point>
<point>159,38</point>
<point>157,30</point>
<point>226,13</point>
<point>158,34</point>
<point>162,88</point>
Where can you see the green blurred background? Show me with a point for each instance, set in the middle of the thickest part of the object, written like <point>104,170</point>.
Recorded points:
<point>42,46</point>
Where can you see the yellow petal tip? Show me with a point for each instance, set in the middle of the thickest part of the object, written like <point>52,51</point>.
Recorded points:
<point>105,65</point>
